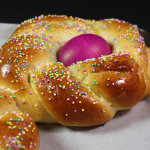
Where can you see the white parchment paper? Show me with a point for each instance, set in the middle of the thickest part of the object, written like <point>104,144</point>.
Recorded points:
<point>128,130</point>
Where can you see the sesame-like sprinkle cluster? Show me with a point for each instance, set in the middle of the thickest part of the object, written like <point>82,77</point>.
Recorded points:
<point>128,32</point>
<point>58,81</point>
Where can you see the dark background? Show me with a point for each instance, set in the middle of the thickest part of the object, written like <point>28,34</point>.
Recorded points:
<point>135,13</point>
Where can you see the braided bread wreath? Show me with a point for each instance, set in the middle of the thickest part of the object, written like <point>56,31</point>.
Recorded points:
<point>33,84</point>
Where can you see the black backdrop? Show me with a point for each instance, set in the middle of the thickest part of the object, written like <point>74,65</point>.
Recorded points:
<point>136,13</point>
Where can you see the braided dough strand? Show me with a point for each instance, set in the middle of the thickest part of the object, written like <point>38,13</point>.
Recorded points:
<point>87,93</point>
<point>17,129</point>
<point>121,35</point>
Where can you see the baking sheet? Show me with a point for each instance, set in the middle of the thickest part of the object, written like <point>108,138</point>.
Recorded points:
<point>128,130</point>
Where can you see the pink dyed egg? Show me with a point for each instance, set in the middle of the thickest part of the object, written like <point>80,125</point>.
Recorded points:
<point>82,47</point>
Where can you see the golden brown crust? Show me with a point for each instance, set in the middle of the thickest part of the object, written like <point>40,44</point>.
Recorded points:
<point>18,131</point>
<point>87,93</point>
<point>67,100</point>
<point>116,79</point>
